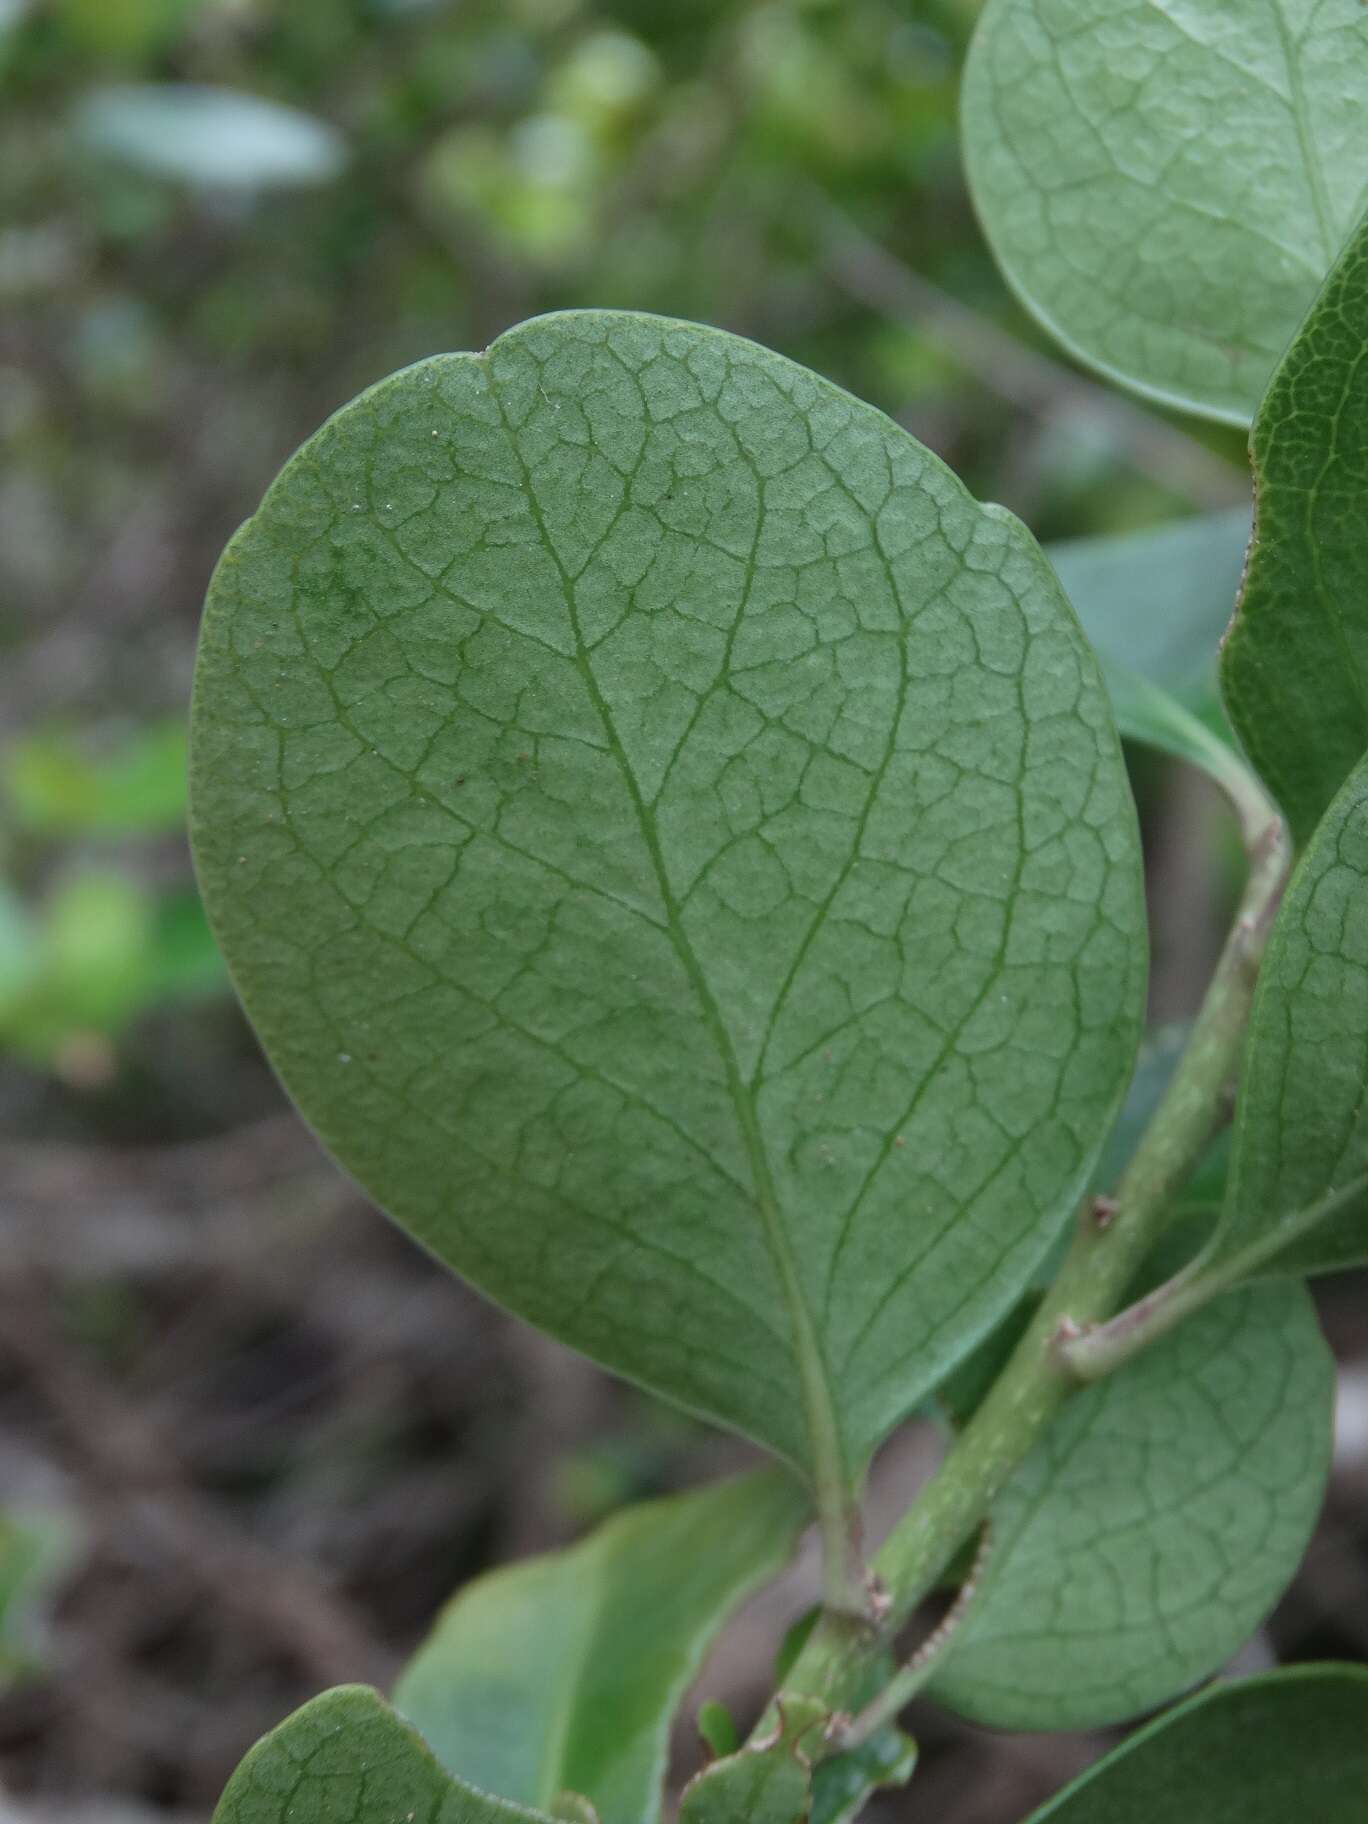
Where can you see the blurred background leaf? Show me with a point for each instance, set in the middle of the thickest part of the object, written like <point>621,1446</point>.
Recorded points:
<point>212,137</point>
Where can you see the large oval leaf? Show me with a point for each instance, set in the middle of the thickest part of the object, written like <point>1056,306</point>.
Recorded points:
<point>1155,1524</point>
<point>1298,1194</point>
<point>1292,1744</point>
<point>563,1672</point>
<point>673,843</point>
<point>1165,185</point>
<point>1294,670</point>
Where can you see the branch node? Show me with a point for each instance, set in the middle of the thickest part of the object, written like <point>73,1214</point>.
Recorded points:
<point>1104,1211</point>
<point>879,1602</point>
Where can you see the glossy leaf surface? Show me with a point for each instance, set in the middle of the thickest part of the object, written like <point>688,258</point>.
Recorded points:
<point>1301,1125</point>
<point>1166,185</point>
<point>1294,671</point>
<point>1154,1525</point>
<point>674,846</point>
<point>1292,1744</point>
<point>565,1671</point>
<point>346,1758</point>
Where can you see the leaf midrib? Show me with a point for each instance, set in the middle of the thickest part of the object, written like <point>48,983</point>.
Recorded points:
<point>827,1467</point>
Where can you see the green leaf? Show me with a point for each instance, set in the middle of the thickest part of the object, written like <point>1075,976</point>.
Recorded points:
<point>673,844</point>
<point>963,1390</point>
<point>1298,1195</point>
<point>1155,606</point>
<point>1292,1744</point>
<point>1294,671</point>
<point>1147,714</point>
<point>842,1785</point>
<point>753,1787</point>
<point>717,1727</point>
<point>565,1670</point>
<point>1157,602</point>
<point>346,1758</point>
<point>1155,1524</point>
<point>1165,186</point>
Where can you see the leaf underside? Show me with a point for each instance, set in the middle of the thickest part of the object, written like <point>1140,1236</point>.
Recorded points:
<point>1291,1744</point>
<point>1294,670</point>
<point>674,847</point>
<point>1301,1125</point>
<point>1154,1526</point>
<point>1165,185</point>
<point>347,1756</point>
<point>565,1671</point>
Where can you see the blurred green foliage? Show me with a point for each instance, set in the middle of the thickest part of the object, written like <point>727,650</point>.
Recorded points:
<point>100,941</point>
<point>137,786</point>
<point>39,1547</point>
<point>219,219</point>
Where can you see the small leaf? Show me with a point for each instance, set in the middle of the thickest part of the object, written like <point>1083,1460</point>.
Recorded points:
<point>754,1787</point>
<point>346,1758</point>
<point>217,139</point>
<point>1156,603</point>
<point>765,1783</point>
<point>842,1785</point>
<point>564,1671</point>
<point>1292,1744</point>
<point>1156,1523</point>
<point>1165,186</point>
<point>1294,670</point>
<point>674,846</point>
<point>1298,1195</point>
<point>717,1728</point>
